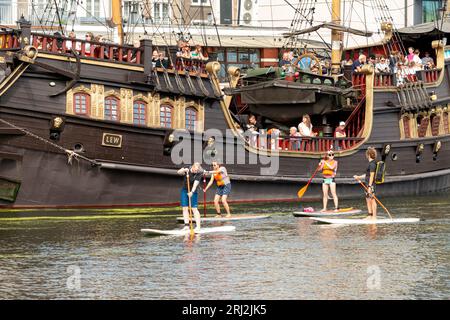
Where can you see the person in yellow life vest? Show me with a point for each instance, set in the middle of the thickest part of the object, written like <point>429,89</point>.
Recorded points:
<point>329,168</point>
<point>220,176</point>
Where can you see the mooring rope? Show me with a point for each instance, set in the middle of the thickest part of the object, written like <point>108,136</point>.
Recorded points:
<point>70,153</point>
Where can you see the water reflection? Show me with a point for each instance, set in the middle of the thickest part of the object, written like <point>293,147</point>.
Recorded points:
<point>278,258</point>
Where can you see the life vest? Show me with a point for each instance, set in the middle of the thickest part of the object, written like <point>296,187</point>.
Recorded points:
<point>328,170</point>
<point>219,179</point>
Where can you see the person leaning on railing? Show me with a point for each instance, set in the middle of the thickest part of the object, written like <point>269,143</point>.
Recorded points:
<point>198,53</point>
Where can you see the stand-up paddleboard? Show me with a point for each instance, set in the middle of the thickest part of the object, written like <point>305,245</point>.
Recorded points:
<point>329,213</point>
<point>181,232</point>
<point>237,217</point>
<point>365,221</point>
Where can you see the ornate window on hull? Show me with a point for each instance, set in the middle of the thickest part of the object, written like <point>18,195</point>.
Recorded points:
<point>191,118</point>
<point>407,129</point>
<point>166,116</point>
<point>112,109</point>
<point>446,124</point>
<point>139,112</point>
<point>81,102</point>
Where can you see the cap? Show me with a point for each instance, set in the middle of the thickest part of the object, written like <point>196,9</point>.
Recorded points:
<point>342,123</point>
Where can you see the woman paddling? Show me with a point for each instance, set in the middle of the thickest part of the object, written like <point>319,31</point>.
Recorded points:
<point>329,169</point>
<point>220,175</point>
<point>194,173</point>
<point>371,155</point>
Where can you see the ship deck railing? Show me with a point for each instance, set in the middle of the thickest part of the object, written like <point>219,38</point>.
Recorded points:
<point>302,144</point>
<point>88,49</point>
<point>101,51</point>
<point>9,40</point>
<point>389,79</point>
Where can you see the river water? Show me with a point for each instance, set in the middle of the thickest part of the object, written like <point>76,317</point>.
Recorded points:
<point>103,255</point>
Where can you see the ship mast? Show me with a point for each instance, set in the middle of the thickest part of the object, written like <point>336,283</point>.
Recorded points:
<point>117,18</point>
<point>336,38</point>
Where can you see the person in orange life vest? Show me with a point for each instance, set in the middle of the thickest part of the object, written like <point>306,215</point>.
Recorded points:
<point>329,168</point>
<point>220,175</point>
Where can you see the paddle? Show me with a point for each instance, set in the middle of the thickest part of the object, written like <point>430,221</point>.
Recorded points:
<point>190,207</point>
<point>204,195</point>
<point>379,202</point>
<point>302,191</point>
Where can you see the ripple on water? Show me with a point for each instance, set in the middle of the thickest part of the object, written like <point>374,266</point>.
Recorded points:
<point>278,258</point>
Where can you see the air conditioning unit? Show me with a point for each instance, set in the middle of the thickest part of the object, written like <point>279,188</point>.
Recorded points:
<point>249,13</point>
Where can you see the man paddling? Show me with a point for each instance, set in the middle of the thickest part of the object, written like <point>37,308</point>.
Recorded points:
<point>195,173</point>
<point>371,155</point>
<point>220,175</point>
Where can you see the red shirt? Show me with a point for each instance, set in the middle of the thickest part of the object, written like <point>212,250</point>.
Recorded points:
<point>341,131</point>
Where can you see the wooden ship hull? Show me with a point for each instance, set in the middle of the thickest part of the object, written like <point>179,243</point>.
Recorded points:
<point>85,160</point>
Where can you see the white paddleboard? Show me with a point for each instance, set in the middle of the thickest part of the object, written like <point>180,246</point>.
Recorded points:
<point>366,221</point>
<point>232,218</point>
<point>329,213</point>
<point>181,232</point>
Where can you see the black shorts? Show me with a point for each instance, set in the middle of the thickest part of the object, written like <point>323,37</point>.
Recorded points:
<point>368,195</point>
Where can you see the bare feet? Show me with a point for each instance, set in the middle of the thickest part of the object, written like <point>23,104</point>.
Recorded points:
<point>228,216</point>
<point>218,215</point>
<point>323,210</point>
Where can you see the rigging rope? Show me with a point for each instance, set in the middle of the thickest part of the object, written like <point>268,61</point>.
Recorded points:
<point>70,154</point>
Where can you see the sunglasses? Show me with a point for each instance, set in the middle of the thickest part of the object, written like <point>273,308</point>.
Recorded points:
<point>331,154</point>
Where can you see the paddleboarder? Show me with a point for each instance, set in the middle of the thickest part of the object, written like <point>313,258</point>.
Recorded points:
<point>223,184</point>
<point>195,173</point>
<point>369,177</point>
<point>329,169</point>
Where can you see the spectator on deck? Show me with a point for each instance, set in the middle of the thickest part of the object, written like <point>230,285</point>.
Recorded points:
<point>72,43</point>
<point>197,53</point>
<point>416,58</point>
<point>285,62</point>
<point>155,59</point>
<point>358,64</point>
<point>186,52</point>
<point>252,124</point>
<point>427,59</point>
<point>305,128</point>
<point>340,130</point>
<point>252,131</point>
<point>294,138</point>
<point>382,66</point>
<point>87,46</point>
<point>163,60</point>
<point>410,55</point>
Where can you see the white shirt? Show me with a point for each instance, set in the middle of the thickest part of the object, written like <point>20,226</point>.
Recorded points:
<point>304,130</point>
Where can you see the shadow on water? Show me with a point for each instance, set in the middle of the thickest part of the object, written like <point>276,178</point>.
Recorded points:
<point>104,256</point>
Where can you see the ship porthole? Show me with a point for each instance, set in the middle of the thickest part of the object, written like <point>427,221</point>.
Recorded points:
<point>78,148</point>
<point>394,157</point>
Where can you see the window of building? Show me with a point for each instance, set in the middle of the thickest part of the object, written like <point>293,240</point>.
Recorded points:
<point>81,103</point>
<point>242,58</point>
<point>93,8</point>
<point>112,109</point>
<point>139,112</point>
<point>199,2</point>
<point>161,12</point>
<point>430,10</point>
<point>165,116</point>
<point>191,118</point>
